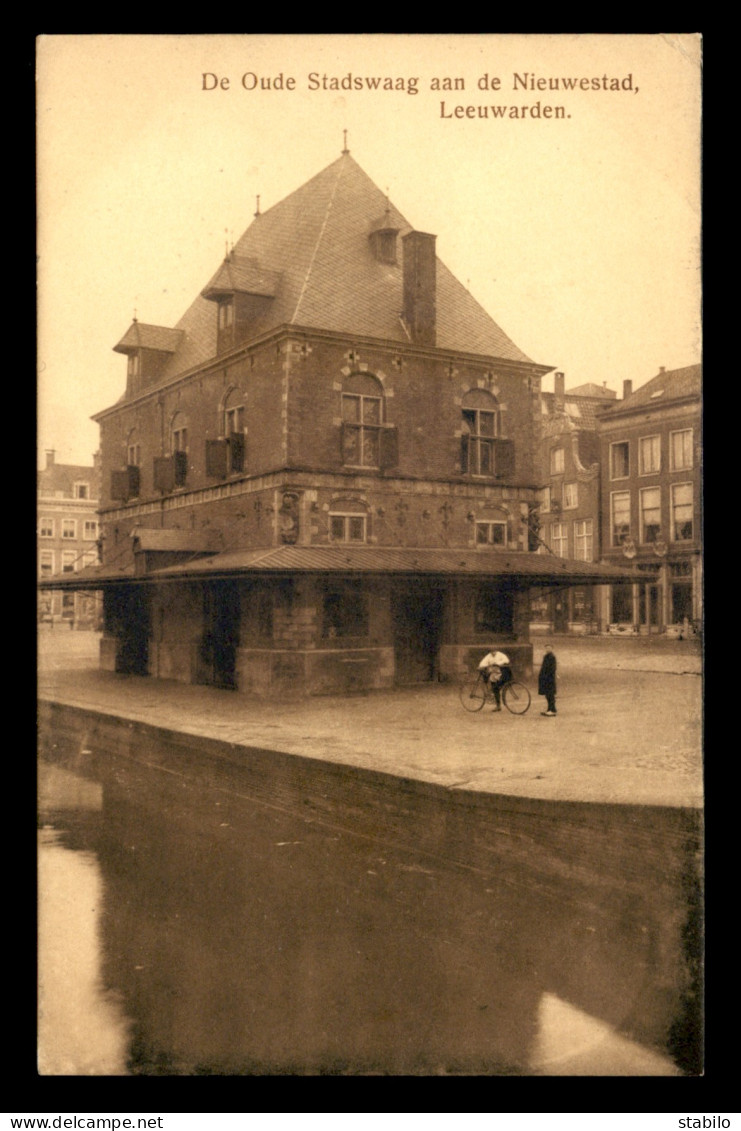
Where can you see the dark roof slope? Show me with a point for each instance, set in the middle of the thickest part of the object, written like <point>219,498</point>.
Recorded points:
<point>590,389</point>
<point>313,251</point>
<point>673,384</point>
<point>63,476</point>
<point>142,335</point>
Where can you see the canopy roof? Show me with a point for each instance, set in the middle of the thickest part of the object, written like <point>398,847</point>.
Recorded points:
<point>527,568</point>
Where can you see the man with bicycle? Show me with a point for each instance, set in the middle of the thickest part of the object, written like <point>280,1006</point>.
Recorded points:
<point>496,668</point>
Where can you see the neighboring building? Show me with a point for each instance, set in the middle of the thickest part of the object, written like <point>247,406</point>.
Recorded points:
<point>651,502</point>
<point>323,477</point>
<point>68,499</point>
<point>568,520</point>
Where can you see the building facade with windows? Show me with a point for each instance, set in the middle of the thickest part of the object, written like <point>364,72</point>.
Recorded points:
<point>322,478</point>
<point>67,536</point>
<point>651,503</point>
<point>568,519</point>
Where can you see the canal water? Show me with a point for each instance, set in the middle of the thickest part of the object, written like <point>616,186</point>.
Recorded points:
<point>194,922</point>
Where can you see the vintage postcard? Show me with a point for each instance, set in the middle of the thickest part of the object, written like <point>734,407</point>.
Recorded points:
<point>370,603</point>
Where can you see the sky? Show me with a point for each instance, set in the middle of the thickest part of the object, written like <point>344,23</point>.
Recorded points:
<point>574,218</point>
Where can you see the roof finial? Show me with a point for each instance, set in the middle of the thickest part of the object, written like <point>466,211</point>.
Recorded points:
<point>345,150</point>
<point>226,243</point>
<point>135,318</point>
<point>257,206</point>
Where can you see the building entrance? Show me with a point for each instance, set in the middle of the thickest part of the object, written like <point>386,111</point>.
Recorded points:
<point>417,613</point>
<point>218,651</point>
<point>560,611</point>
<point>133,615</point>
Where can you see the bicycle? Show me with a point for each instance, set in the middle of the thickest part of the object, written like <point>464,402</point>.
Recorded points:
<point>475,690</point>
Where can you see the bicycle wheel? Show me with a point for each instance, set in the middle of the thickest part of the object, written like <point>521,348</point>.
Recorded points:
<point>516,697</point>
<point>472,693</point>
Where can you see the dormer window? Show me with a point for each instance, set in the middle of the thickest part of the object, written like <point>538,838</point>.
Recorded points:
<point>383,243</point>
<point>148,349</point>
<point>383,238</point>
<point>243,291</point>
<point>226,313</point>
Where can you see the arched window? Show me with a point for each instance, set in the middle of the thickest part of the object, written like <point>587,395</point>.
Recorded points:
<point>480,429</point>
<point>126,483</point>
<point>235,429</point>
<point>362,420</point>
<point>179,448</point>
<point>133,449</point>
<point>179,433</point>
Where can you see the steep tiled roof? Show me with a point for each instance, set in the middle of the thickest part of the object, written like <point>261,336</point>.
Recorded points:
<point>674,384</point>
<point>313,249</point>
<point>63,476</point>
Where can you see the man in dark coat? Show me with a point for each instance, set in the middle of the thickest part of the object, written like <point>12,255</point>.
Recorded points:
<point>547,681</point>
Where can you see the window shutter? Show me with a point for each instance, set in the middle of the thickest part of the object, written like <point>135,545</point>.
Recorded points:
<point>237,448</point>
<point>216,459</point>
<point>389,446</point>
<point>180,468</point>
<point>134,479</point>
<point>504,458</point>
<point>164,473</point>
<point>119,485</point>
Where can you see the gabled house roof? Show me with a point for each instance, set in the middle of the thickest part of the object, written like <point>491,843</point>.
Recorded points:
<point>671,385</point>
<point>312,255</point>
<point>63,476</point>
<point>590,389</point>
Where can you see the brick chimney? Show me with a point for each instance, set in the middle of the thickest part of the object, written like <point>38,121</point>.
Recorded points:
<point>627,389</point>
<point>558,392</point>
<point>50,453</point>
<point>420,286</point>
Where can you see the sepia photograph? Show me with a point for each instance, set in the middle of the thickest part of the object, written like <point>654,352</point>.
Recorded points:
<point>369,556</point>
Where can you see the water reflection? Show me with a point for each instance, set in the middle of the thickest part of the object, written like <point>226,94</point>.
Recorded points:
<point>571,1043</point>
<point>83,1030</point>
<point>196,931</point>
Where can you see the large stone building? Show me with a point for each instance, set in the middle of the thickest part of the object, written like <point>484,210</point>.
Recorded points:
<point>67,535</point>
<point>651,459</point>
<point>323,477</point>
